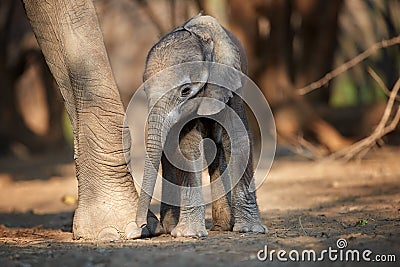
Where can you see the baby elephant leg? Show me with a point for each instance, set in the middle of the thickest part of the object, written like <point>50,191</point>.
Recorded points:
<point>169,212</point>
<point>222,218</point>
<point>192,214</point>
<point>240,166</point>
<point>221,206</point>
<point>244,205</point>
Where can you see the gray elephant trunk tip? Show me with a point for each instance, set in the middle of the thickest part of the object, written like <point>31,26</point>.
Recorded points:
<point>141,219</point>
<point>141,212</point>
<point>141,222</point>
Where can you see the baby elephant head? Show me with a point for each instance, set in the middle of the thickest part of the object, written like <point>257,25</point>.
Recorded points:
<point>177,75</point>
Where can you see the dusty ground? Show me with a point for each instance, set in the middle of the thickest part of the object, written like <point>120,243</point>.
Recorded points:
<point>306,205</point>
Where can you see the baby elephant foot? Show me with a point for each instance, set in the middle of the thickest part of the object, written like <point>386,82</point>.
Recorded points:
<point>189,230</point>
<point>248,220</point>
<point>246,215</point>
<point>255,227</point>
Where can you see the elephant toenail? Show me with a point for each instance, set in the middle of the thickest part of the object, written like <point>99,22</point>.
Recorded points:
<point>109,234</point>
<point>132,231</point>
<point>257,228</point>
<point>244,229</point>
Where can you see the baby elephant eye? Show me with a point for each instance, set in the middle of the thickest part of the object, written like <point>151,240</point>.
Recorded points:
<point>186,90</point>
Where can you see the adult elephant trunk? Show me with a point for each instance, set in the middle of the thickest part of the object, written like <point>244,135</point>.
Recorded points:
<point>154,148</point>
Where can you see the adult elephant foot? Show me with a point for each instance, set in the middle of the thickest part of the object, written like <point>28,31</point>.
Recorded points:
<point>107,206</point>
<point>105,219</point>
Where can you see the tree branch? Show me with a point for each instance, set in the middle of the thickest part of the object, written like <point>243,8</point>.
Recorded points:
<point>348,65</point>
<point>363,146</point>
<point>380,83</point>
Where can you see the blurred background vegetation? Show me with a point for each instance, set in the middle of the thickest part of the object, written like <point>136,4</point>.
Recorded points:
<point>289,43</point>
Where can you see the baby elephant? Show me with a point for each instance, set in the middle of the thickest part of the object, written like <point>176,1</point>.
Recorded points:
<point>186,108</point>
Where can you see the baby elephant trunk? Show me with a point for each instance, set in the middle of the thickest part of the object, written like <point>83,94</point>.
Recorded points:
<point>154,148</point>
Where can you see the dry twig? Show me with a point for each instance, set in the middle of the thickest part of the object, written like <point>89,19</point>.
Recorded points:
<point>348,65</point>
<point>384,127</point>
<point>301,226</point>
<point>380,82</point>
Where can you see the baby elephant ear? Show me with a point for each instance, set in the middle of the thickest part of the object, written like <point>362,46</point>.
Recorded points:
<point>220,45</point>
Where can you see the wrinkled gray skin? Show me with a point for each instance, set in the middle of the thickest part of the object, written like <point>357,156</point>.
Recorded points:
<point>200,39</point>
<point>69,35</point>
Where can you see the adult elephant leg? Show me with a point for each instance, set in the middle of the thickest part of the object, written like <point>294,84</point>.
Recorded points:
<point>69,35</point>
<point>192,213</point>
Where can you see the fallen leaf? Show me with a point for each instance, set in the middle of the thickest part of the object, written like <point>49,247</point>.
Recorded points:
<point>70,200</point>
